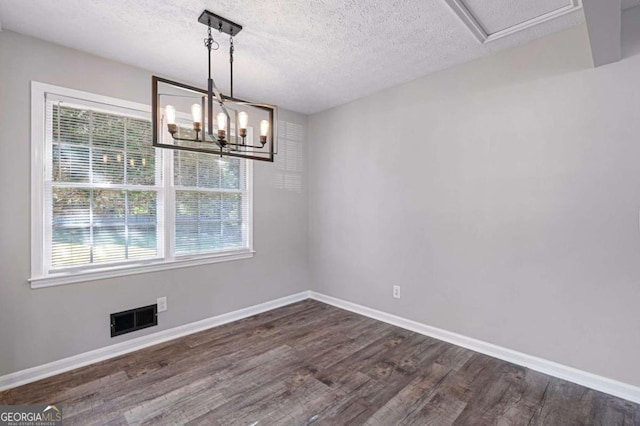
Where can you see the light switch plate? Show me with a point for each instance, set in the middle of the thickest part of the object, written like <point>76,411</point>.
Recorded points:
<point>162,304</point>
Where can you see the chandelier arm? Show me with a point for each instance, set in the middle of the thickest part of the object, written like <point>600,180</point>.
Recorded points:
<point>244,146</point>
<point>186,139</point>
<point>212,140</point>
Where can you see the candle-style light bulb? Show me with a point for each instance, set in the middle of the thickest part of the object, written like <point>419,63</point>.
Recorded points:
<point>222,125</point>
<point>243,123</point>
<point>264,130</point>
<point>170,113</point>
<point>196,111</point>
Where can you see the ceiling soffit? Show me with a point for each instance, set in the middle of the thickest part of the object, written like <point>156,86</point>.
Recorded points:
<point>489,21</point>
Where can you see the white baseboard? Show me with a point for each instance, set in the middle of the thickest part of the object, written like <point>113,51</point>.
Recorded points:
<point>56,367</point>
<point>593,381</point>
<point>599,383</point>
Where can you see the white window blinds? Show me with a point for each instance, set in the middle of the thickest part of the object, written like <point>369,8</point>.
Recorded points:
<point>102,184</point>
<point>211,203</point>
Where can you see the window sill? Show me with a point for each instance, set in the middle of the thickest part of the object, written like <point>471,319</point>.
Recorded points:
<point>121,271</point>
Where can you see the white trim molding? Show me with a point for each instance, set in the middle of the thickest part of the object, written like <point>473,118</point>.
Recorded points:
<point>476,28</point>
<point>593,381</point>
<point>142,268</point>
<point>570,374</point>
<point>71,363</point>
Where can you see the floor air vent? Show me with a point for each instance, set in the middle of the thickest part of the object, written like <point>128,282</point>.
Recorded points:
<point>134,319</point>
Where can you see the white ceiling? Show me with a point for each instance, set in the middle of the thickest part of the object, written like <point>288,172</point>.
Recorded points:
<point>304,56</point>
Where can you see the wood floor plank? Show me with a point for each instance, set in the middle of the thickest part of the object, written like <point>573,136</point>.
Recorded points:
<point>312,364</point>
<point>412,397</point>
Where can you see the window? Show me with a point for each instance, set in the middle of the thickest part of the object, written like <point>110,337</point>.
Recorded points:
<point>209,195</point>
<point>101,187</point>
<point>106,203</point>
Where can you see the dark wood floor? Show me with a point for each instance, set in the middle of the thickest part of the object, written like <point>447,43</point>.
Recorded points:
<point>310,363</point>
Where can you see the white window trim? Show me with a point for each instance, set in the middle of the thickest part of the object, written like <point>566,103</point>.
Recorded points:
<point>39,277</point>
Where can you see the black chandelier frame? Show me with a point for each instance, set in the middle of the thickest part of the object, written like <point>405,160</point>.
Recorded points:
<point>206,141</point>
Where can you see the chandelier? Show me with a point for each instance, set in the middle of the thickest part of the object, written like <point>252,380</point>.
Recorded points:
<point>193,119</point>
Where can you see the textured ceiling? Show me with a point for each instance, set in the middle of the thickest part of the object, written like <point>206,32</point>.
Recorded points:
<point>304,56</point>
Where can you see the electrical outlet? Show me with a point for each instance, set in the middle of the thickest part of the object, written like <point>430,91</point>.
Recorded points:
<point>396,291</point>
<point>162,304</point>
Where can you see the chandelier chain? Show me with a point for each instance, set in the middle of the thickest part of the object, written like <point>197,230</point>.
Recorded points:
<point>210,43</point>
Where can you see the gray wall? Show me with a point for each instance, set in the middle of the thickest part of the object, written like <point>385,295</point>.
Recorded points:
<point>501,195</point>
<point>43,325</point>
